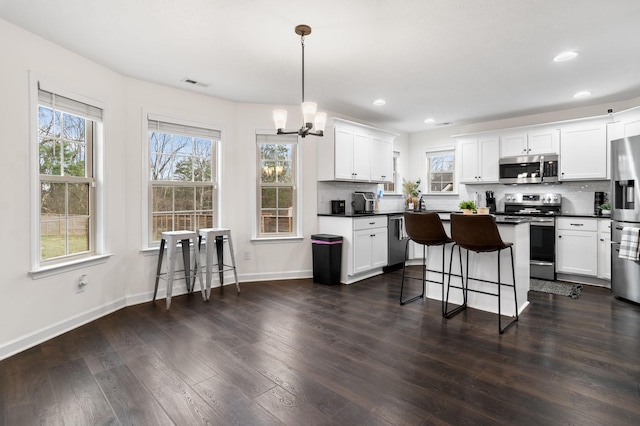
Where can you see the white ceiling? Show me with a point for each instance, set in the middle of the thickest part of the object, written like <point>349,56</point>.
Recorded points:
<point>459,61</point>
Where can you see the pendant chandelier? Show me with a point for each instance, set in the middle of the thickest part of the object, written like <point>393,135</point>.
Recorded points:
<point>311,116</point>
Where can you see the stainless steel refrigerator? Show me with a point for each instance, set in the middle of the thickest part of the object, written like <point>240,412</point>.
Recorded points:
<point>625,212</point>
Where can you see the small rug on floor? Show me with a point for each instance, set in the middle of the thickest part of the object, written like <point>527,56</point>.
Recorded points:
<point>555,287</point>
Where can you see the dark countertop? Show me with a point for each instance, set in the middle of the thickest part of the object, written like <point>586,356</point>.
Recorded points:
<point>390,213</point>
<point>592,215</point>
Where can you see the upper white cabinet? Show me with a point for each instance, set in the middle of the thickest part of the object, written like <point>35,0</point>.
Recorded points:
<point>381,159</point>
<point>583,152</point>
<point>352,152</point>
<point>478,159</point>
<point>530,143</point>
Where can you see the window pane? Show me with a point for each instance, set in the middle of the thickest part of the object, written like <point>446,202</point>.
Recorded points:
<point>78,228</point>
<point>162,197</point>
<point>182,145</point>
<point>74,159</point>
<point>73,127</point>
<point>160,167</point>
<point>161,143</point>
<point>49,157</point>
<point>161,223</point>
<point>204,198</point>
<point>269,198</point>
<point>285,197</point>
<point>53,198</point>
<point>284,172</point>
<point>78,199</point>
<point>183,168</point>
<point>268,171</point>
<point>184,199</point>
<point>52,237</point>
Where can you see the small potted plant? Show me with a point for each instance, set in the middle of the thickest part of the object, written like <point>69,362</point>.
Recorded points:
<point>467,206</point>
<point>412,191</point>
<point>605,208</point>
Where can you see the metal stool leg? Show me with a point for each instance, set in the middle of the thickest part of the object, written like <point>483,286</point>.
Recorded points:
<point>233,263</point>
<point>220,255</point>
<point>158,270</point>
<point>515,296</point>
<point>186,258</point>
<point>448,314</point>
<point>404,268</point>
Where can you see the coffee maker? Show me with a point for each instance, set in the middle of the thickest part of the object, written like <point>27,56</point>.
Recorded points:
<point>491,201</point>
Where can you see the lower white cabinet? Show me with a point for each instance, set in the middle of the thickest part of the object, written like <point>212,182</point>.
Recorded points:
<point>364,244</point>
<point>604,249</point>
<point>577,246</point>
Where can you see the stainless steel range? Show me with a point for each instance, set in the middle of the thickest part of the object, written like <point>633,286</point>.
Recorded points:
<point>541,210</point>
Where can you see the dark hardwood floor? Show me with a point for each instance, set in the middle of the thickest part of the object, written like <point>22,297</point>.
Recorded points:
<point>298,353</point>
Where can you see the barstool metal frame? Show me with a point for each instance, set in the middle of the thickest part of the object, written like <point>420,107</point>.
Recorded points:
<point>215,238</point>
<point>442,239</point>
<point>464,276</point>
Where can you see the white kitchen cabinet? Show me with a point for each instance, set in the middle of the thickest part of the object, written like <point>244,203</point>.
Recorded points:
<point>478,159</point>
<point>583,152</point>
<point>530,143</point>
<point>353,152</point>
<point>364,244</point>
<point>381,159</point>
<point>604,249</point>
<point>577,246</point>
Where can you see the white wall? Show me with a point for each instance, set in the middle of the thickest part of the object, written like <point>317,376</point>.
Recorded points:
<point>34,310</point>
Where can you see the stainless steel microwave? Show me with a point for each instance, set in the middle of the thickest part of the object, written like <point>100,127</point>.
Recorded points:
<point>529,169</point>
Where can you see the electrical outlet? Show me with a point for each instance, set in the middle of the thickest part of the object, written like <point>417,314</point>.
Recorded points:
<point>246,255</point>
<point>82,283</point>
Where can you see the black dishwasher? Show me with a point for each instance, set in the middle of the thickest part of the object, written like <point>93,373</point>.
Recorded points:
<point>397,241</point>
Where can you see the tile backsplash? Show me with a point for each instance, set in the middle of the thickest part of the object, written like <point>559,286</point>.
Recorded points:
<point>577,197</point>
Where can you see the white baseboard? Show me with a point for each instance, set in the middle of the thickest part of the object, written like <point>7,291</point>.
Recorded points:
<point>25,342</point>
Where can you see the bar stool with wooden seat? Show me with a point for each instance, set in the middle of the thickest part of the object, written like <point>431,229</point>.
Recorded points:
<point>215,238</point>
<point>479,233</point>
<point>425,229</point>
<point>170,239</point>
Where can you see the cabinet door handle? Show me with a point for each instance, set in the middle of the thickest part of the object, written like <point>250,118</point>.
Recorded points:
<point>601,239</point>
<point>576,224</point>
<point>619,228</point>
<point>372,235</point>
<point>559,236</point>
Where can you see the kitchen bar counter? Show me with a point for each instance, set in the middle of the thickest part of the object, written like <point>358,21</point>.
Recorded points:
<point>484,266</point>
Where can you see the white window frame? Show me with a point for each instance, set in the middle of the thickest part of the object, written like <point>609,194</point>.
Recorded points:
<point>98,252</point>
<point>435,152</point>
<point>177,120</point>
<point>297,196</point>
<point>397,177</point>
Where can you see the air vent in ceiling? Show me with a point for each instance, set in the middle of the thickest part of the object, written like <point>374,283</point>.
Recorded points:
<point>194,82</point>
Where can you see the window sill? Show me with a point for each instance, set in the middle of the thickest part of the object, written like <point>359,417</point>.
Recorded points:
<point>287,239</point>
<point>60,268</point>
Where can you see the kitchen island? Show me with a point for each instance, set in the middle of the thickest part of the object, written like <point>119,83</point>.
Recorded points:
<point>483,266</point>
<point>364,257</point>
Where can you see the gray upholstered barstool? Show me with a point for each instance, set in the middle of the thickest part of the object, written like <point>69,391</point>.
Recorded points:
<point>215,238</point>
<point>479,233</point>
<point>425,229</point>
<point>170,240</point>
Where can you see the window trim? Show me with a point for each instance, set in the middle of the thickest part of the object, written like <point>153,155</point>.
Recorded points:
<point>397,174</point>
<point>297,234</point>
<point>430,152</point>
<point>180,120</point>
<point>39,269</point>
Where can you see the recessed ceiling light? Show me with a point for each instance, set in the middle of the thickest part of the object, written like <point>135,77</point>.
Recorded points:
<point>379,102</point>
<point>565,56</point>
<point>429,121</point>
<point>582,94</point>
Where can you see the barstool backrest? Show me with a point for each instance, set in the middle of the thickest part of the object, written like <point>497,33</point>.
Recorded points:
<point>476,232</point>
<point>425,228</point>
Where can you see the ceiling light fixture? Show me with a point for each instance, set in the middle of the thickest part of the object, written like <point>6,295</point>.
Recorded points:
<point>565,56</point>
<point>379,102</point>
<point>429,121</point>
<point>582,94</point>
<point>309,113</point>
